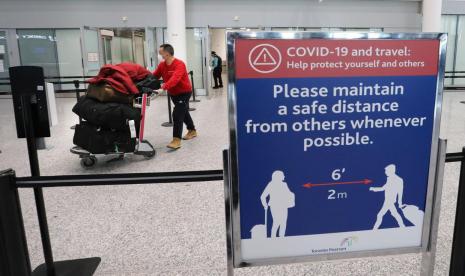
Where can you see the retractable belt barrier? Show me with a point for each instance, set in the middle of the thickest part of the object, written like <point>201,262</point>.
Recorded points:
<point>14,257</point>
<point>13,248</point>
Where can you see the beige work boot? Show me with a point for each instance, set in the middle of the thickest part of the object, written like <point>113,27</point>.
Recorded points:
<point>190,135</point>
<point>175,143</point>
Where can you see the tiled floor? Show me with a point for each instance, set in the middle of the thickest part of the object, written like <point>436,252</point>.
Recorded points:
<point>178,229</point>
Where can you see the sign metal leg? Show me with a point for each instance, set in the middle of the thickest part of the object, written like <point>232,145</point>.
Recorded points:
<point>227,201</point>
<point>429,257</point>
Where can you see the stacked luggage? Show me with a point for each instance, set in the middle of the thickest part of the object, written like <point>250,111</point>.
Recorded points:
<point>111,121</point>
<point>106,127</point>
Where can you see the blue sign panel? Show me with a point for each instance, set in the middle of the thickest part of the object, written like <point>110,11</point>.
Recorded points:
<point>334,143</point>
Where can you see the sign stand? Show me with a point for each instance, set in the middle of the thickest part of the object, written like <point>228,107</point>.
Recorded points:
<point>27,83</point>
<point>305,106</point>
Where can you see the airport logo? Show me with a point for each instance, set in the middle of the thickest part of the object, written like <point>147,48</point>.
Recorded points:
<point>349,241</point>
<point>265,58</point>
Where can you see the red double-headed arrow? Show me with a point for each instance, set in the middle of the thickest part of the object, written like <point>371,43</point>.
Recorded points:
<point>364,181</point>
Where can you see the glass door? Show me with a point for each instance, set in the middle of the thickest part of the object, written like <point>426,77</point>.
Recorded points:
<point>90,47</point>
<point>138,41</point>
<point>106,43</point>
<point>195,60</point>
<point>207,53</point>
<point>151,48</point>
<point>69,55</point>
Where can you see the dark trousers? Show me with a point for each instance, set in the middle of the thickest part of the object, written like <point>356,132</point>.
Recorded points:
<point>181,114</point>
<point>217,76</point>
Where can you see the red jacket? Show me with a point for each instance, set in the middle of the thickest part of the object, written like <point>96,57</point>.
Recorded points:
<point>121,76</point>
<point>175,77</point>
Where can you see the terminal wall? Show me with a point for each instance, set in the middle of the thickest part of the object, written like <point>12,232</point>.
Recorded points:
<point>390,15</point>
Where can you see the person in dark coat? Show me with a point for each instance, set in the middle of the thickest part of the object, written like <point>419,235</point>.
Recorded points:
<point>216,64</point>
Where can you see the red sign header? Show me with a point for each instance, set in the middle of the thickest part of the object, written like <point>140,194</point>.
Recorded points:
<point>297,58</point>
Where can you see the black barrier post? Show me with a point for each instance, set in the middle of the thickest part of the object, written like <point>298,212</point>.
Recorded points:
<point>191,73</point>
<point>38,195</point>
<point>28,86</point>
<point>14,257</point>
<point>170,116</point>
<point>457,261</point>
<point>76,86</point>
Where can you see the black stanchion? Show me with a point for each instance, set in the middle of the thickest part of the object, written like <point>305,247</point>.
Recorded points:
<point>76,86</point>
<point>27,86</point>
<point>457,261</point>
<point>191,73</point>
<point>14,257</point>
<point>38,195</point>
<point>170,116</point>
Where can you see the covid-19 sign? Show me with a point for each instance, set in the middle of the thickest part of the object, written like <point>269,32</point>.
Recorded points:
<point>333,142</point>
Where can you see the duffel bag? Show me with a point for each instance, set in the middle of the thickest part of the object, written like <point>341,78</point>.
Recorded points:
<point>106,115</point>
<point>105,93</point>
<point>98,140</point>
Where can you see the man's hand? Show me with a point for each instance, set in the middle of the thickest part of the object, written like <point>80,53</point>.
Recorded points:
<point>158,91</point>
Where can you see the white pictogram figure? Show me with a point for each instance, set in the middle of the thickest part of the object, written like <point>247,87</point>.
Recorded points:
<point>393,192</point>
<point>280,199</point>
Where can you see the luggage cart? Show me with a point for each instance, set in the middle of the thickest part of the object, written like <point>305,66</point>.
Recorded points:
<point>143,147</point>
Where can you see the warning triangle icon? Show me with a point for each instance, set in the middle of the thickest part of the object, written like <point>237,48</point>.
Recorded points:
<point>264,58</point>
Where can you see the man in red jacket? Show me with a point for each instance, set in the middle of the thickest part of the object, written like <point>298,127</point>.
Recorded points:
<point>177,83</point>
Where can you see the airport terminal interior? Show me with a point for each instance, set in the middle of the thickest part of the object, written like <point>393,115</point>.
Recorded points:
<point>183,228</point>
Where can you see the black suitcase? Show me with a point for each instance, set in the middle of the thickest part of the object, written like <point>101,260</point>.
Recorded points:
<point>98,140</point>
<point>107,115</point>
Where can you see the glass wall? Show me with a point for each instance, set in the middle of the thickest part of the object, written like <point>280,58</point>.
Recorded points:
<point>449,26</point>
<point>454,26</point>
<point>460,46</point>
<point>4,61</point>
<point>58,51</point>
<point>37,47</point>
